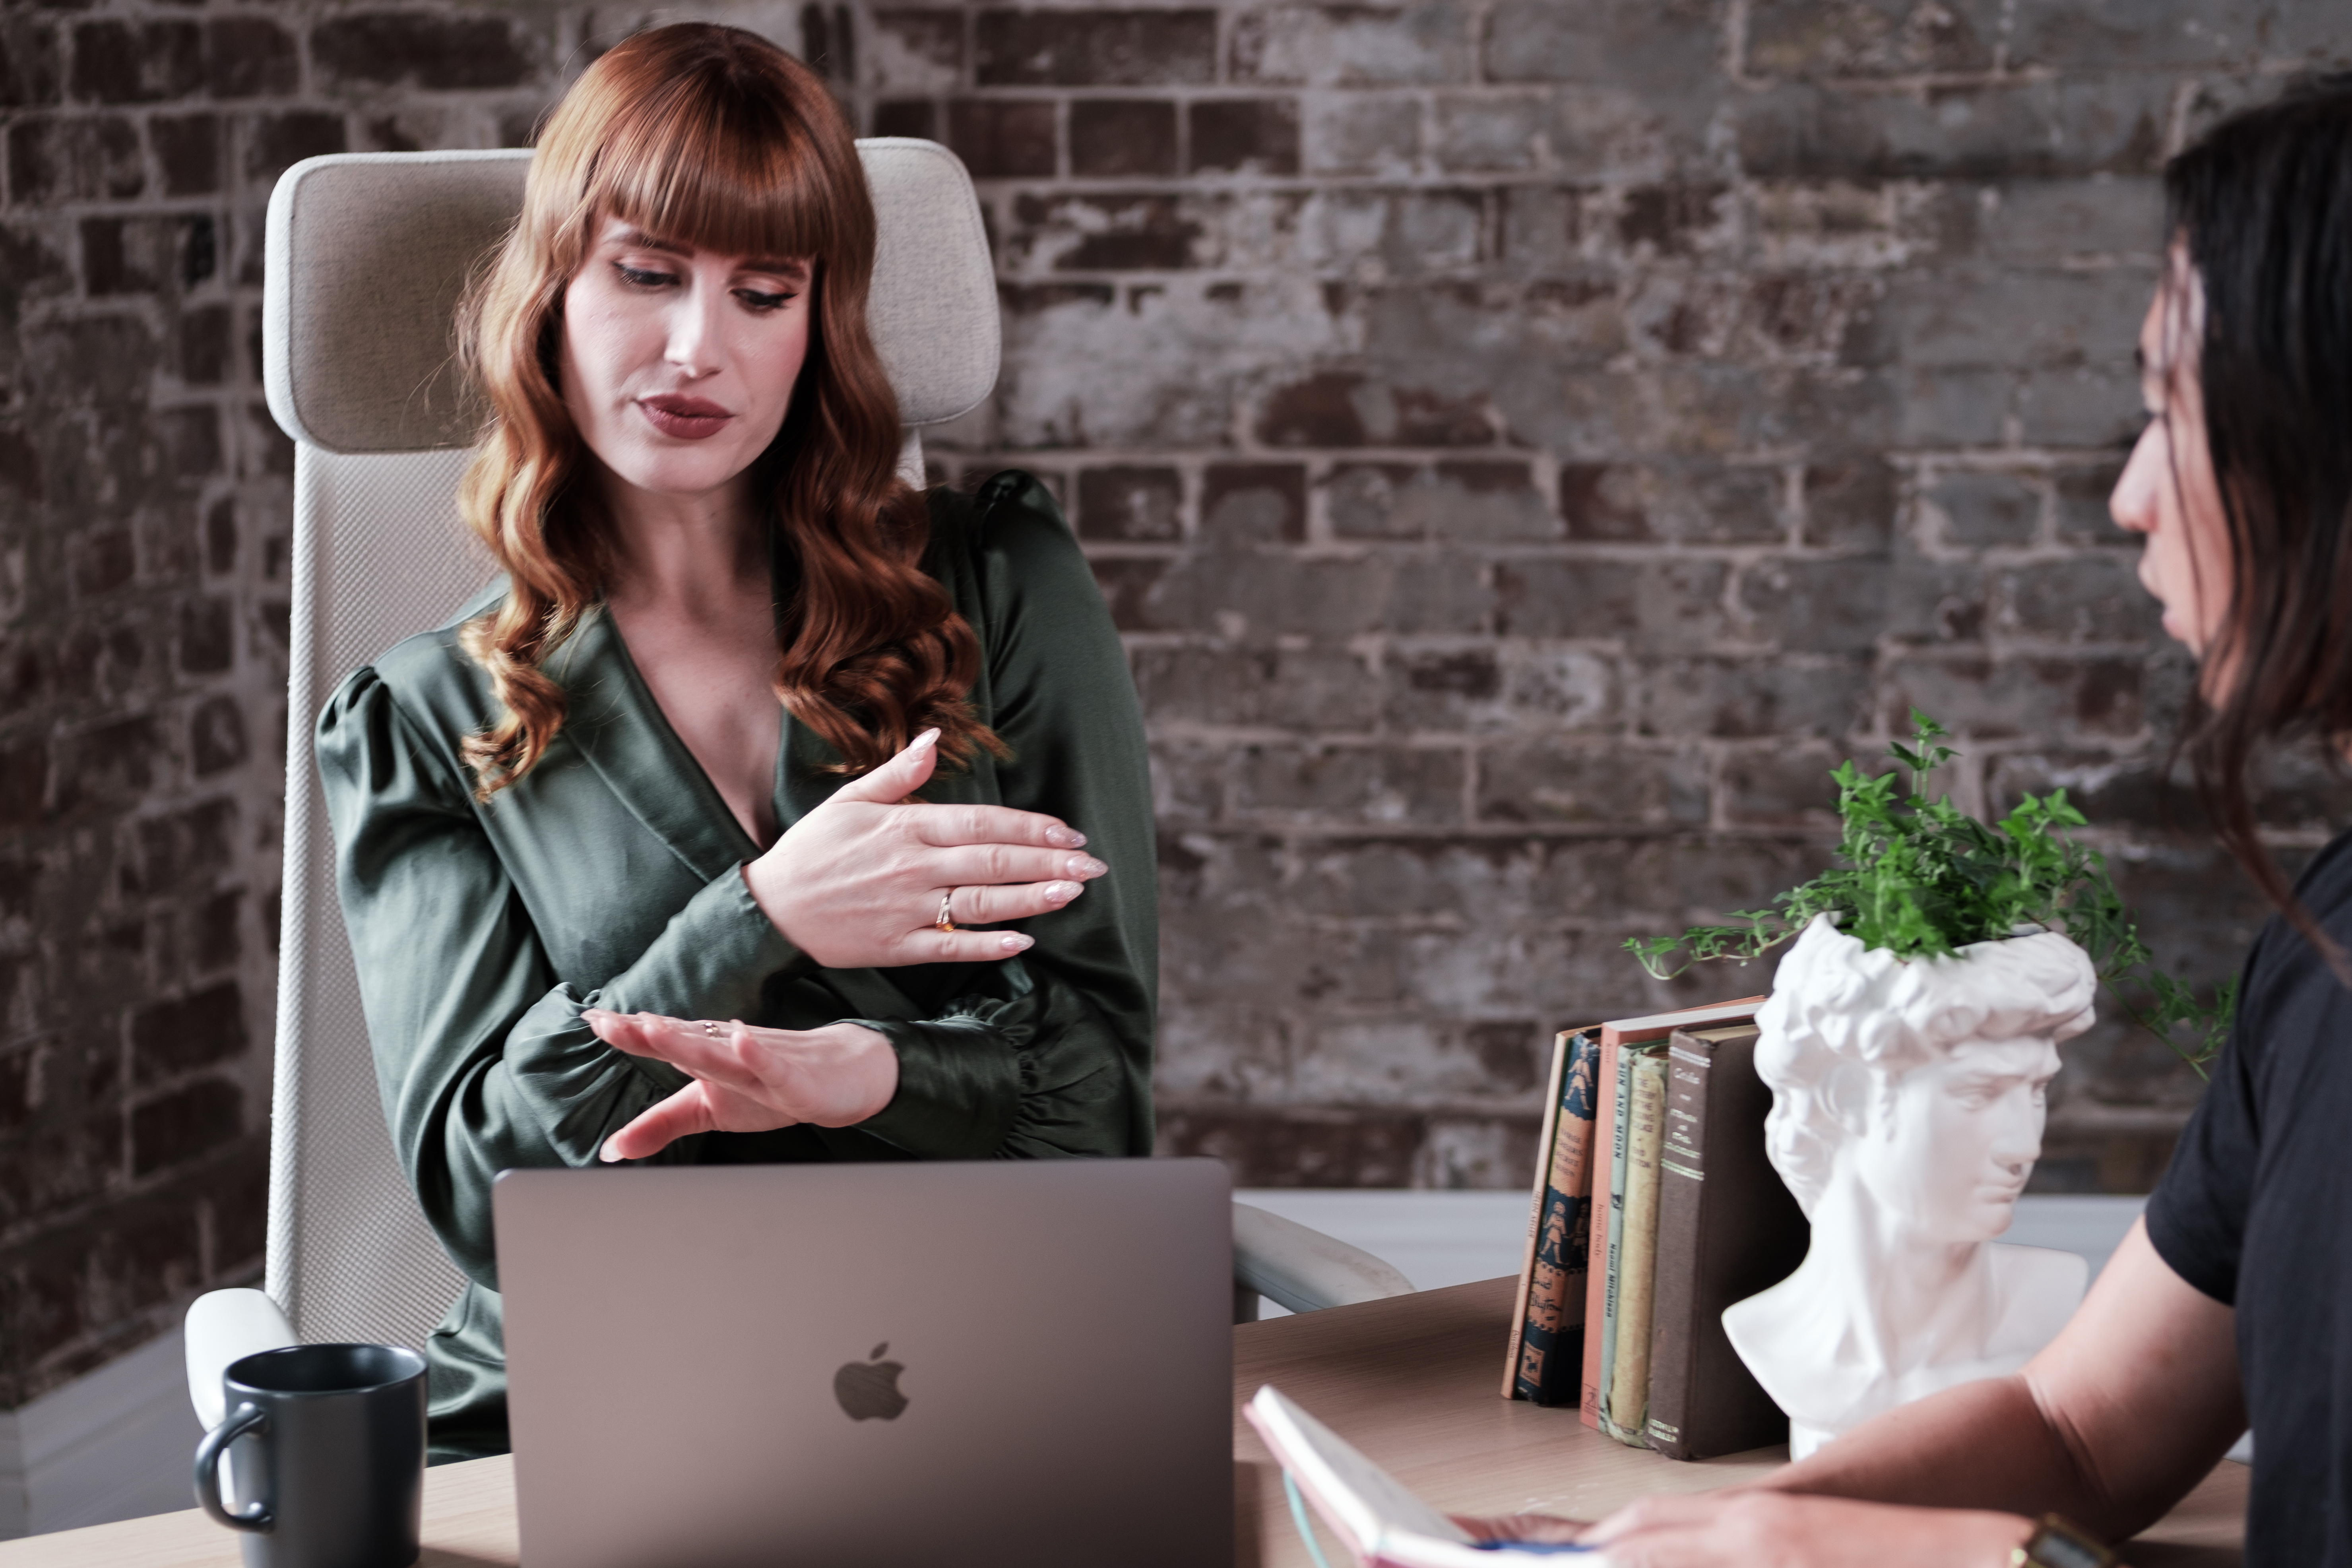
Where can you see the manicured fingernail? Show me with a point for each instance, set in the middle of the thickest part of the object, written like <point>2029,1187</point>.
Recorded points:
<point>1065,838</point>
<point>594,1014</point>
<point>1016,943</point>
<point>610,1155</point>
<point>1061,892</point>
<point>927,737</point>
<point>1085,865</point>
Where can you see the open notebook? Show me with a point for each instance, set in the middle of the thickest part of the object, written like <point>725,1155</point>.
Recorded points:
<point>1383,1523</point>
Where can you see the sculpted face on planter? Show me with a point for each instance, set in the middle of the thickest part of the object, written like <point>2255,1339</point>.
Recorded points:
<point>1908,1114</point>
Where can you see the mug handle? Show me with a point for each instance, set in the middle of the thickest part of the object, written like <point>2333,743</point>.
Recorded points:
<point>245,1418</point>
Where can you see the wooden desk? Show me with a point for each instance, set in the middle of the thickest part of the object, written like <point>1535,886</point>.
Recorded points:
<point>1410,1380</point>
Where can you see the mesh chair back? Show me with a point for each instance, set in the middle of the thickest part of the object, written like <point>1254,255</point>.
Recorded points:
<point>368,255</point>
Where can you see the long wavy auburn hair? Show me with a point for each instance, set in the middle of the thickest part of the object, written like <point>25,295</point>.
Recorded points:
<point>713,137</point>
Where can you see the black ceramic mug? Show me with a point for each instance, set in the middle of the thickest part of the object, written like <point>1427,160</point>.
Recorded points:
<point>329,1457</point>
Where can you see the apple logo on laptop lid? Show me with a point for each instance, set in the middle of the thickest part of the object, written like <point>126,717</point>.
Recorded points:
<point>869,1390</point>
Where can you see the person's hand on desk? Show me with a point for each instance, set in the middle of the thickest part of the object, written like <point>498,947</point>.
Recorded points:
<point>871,879</point>
<point>1764,1529</point>
<point>748,1079</point>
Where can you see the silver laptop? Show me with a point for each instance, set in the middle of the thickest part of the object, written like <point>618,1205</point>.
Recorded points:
<point>871,1365</point>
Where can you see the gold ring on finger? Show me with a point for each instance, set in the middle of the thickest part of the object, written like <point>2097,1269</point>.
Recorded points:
<point>947,912</point>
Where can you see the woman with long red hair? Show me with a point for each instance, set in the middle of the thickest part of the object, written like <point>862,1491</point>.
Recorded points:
<point>630,851</point>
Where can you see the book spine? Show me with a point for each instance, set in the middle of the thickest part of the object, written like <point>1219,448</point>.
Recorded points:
<point>1628,1376</point>
<point>1682,1171</point>
<point>1536,1216</point>
<point>1552,1337</point>
<point>1596,1284</point>
<point>1613,1254</point>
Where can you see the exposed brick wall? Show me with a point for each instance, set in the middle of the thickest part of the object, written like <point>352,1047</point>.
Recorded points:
<point>144,502</point>
<point>1528,444</point>
<point>1525,443</point>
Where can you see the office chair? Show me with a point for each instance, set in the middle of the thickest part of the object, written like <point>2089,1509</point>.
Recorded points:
<point>368,254</point>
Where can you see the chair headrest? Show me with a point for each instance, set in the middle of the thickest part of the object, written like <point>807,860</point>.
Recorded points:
<point>369,252</point>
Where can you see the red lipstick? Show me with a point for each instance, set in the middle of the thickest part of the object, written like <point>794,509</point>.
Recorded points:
<point>687,418</point>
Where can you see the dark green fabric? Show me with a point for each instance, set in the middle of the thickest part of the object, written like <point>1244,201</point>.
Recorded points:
<point>611,876</point>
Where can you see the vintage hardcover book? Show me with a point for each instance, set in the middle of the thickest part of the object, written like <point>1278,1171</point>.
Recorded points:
<point>1727,1228</point>
<point>1655,1026</point>
<point>1629,1374</point>
<point>1560,1047</point>
<point>1551,1354</point>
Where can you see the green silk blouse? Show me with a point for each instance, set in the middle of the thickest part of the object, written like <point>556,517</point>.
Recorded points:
<point>610,876</point>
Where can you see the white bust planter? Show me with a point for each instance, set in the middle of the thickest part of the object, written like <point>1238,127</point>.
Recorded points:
<point>1908,1103</point>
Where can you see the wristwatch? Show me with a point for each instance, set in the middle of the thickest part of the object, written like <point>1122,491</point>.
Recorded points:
<point>2056,1543</point>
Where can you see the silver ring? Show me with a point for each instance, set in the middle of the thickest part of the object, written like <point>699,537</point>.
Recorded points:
<point>947,912</point>
<point>710,1027</point>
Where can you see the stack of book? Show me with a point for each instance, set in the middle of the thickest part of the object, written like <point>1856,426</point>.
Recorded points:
<point>1654,1209</point>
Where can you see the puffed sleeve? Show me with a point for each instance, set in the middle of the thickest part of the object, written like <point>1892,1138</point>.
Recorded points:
<point>1063,1065</point>
<point>481,1057</point>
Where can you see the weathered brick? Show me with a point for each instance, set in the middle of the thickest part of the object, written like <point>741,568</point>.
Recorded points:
<point>201,1029</point>
<point>905,117</point>
<point>1848,502</point>
<point>249,56</point>
<point>183,1124</point>
<point>1351,46</point>
<point>2169,33</point>
<point>1871,38</point>
<point>1783,786</point>
<point>1481,134</point>
<point>123,62</point>
<point>1133,504</point>
<point>1659,47</point>
<point>1463,502</point>
<point>1662,604</point>
<point>1347,408</point>
<point>2107,124</point>
<point>1593,785</point>
<point>81,158</point>
<point>1246,135</point>
<point>1353,134</point>
<point>24,781</point>
<point>1107,233</point>
<point>1313,690</point>
<point>1747,697</point>
<point>275,143</point>
<point>1973,511</point>
<point>433,52</point>
<point>1094,49</point>
<point>829,41</point>
<point>28,64</point>
<point>1112,138</point>
<point>914,50</point>
<point>109,765</point>
<point>1249,503</point>
<point>1002,137</point>
<point>2094,598</point>
<point>217,736</point>
<point>188,151</point>
<point>2001,698</point>
<point>1369,785</point>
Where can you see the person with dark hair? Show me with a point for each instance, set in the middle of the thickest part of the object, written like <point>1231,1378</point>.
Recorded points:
<point>629,851</point>
<point>2232,1296</point>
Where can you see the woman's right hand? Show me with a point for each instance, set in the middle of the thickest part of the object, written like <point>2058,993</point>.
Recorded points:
<point>856,883</point>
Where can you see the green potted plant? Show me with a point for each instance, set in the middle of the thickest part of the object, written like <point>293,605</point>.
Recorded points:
<point>1919,878</point>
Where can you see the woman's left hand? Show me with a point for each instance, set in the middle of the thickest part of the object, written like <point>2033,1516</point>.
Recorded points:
<point>1766,1529</point>
<point>748,1079</point>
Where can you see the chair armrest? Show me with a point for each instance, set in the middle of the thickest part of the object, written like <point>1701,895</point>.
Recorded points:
<point>1304,1269</point>
<point>224,1326</point>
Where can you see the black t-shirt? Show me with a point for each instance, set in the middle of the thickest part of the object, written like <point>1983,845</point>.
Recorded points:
<point>2256,1212</point>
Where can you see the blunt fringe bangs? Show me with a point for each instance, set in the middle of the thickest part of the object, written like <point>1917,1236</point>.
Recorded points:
<point>2261,206</point>
<point>711,137</point>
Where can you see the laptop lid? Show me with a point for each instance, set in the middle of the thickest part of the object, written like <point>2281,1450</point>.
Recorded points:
<point>871,1365</point>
